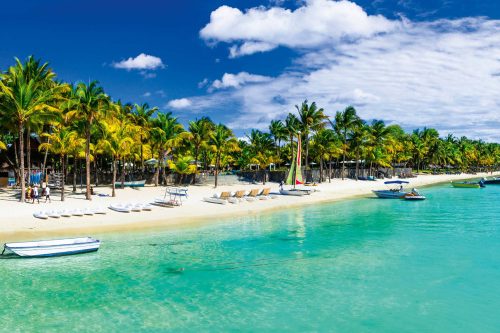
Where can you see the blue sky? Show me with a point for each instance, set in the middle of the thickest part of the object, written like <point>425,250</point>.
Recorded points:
<point>415,63</point>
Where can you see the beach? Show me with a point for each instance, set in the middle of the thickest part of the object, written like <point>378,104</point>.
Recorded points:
<point>18,223</point>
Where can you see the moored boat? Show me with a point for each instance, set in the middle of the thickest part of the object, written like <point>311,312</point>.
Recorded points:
<point>466,184</point>
<point>394,193</point>
<point>295,192</point>
<point>135,183</point>
<point>51,248</point>
<point>491,181</point>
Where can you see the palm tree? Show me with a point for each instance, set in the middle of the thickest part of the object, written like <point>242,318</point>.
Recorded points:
<point>358,140</point>
<point>221,141</point>
<point>200,130</point>
<point>345,122</point>
<point>311,119</point>
<point>61,142</point>
<point>142,117</point>
<point>182,166</point>
<point>278,132</point>
<point>92,103</point>
<point>25,90</point>
<point>324,146</point>
<point>262,150</point>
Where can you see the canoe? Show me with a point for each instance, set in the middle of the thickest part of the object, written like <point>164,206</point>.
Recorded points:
<point>41,215</point>
<point>465,185</point>
<point>50,248</point>
<point>135,183</point>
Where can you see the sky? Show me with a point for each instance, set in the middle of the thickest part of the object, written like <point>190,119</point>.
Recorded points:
<point>416,63</point>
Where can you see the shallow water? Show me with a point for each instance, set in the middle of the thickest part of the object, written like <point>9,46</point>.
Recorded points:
<point>365,265</point>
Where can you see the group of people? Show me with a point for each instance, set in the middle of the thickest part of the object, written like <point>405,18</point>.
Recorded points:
<point>33,193</point>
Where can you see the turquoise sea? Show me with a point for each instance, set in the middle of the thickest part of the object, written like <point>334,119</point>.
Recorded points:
<point>363,265</point>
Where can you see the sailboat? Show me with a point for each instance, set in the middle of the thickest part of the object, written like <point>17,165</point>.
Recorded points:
<point>295,175</point>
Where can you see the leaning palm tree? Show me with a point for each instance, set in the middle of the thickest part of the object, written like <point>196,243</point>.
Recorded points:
<point>92,103</point>
<point>345,122</point>
<point>25,90</point>
<point>221,141</point>
<point>61,142</point>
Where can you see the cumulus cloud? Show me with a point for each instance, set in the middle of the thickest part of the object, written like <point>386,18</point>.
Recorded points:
<point>317,23</point>
<point>180,103</point>
<point>237,80</point>
<point>142,62</point>
<point>442,74</point>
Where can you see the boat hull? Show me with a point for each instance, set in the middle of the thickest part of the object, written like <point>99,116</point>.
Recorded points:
<point>495,181</point>
<point>387,194</point>
<point>137,183</point>
<point>297,193</point>
<point>54,248</point>
<point>466,185</point>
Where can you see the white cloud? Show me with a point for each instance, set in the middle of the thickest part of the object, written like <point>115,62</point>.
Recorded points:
<point>147,94</point>
<point>442,74</point>
<point>141,62</point>
<point>317,23</point>
<point>237,80</point>
<point>180,103</point>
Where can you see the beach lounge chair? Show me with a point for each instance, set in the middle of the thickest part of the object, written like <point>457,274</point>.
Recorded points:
<point>240,195</point>
<point>253,194</point>
<point>265,194</point>
<point>222,199</point>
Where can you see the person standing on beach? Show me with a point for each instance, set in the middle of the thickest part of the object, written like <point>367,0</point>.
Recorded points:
<point>47,194</point>
<point>34,194</point>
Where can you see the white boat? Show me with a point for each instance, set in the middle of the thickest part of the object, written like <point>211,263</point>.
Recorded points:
<point>135,207</point>
<point>120,208</point>
<point>41,215</point>
<point>297,193</point>
<point>394,193</point>
<point>135,183</point>
<point>88,211</point>
<point>50,248</point>
<point>146,207</point>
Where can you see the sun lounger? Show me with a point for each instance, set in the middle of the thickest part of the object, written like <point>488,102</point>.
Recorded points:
<point>222,199</point>
<point>265,194</point>
<point>252,195</point>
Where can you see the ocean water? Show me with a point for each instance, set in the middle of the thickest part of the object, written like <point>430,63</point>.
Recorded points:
<point>364,265</point>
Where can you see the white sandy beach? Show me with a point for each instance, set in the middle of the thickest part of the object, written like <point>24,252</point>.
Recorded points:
<point>17,221</point>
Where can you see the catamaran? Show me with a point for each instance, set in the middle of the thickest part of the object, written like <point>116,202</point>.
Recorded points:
<point>295,175</point>
<point>51,248</point>
<point>394,193</point>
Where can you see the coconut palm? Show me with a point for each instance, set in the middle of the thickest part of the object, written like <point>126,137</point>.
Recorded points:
<point>345,122</point>
<point>200,130</point>
<point>92,103</point>
<point>311,119</point>
<point>182,166</point>
<point>142,118</point>
<point>222,141</point>
<point>61,142</point>
<point>279,133</point>
<point>26,90</point>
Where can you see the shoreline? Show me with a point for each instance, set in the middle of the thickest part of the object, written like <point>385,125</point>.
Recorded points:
<point>19,224</point>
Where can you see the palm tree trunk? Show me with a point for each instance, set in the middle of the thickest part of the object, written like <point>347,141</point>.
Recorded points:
<point>321,169</point>
<point>196,149</point>
<point>330,171</point>
<point>96,175</point>
<point>142,157</point>
<point>216,169</point>
<point>87,163</point>
<point>75,164</point>
<point>28,152</point>
<point>343,154</point>
<point>122,178</point>
<point>113,194</point>
<point>44,165</point>
<point>18,177</point>
<point>63,165</point>
<point>21,164</point>
<point>157,171</point>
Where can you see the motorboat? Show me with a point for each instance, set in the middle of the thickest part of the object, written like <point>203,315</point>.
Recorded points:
<point>50,248</point>
<point>393,193</point>
<point>491,181</point>
<point>414,195</point>
<point>466,184</point>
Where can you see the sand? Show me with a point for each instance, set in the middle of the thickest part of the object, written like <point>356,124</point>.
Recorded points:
<point>17,221</point>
